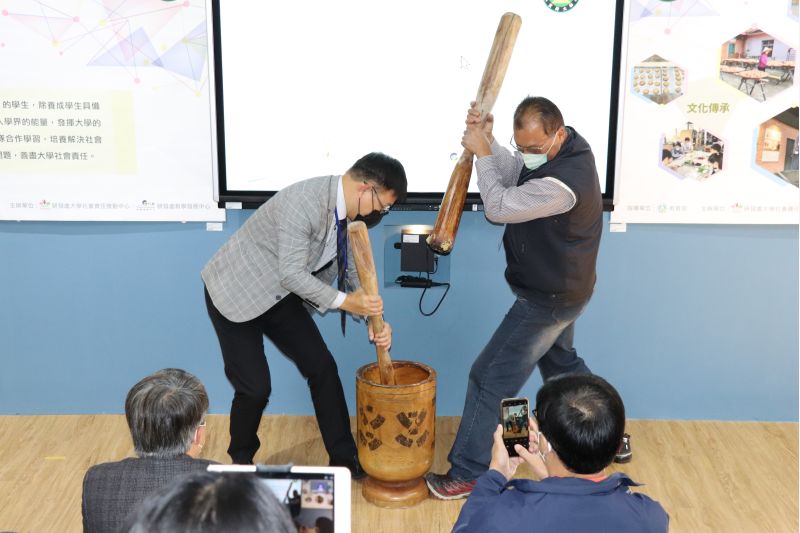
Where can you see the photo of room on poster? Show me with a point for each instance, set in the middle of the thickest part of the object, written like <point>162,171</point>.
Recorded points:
<point>776,147</point>
<point>757,64</point>
<point>689,153</point>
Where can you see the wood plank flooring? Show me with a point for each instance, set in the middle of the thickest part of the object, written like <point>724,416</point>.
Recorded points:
<point>709,476</point>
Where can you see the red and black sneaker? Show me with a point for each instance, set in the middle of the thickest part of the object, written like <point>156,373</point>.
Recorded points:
<point>443,487</point>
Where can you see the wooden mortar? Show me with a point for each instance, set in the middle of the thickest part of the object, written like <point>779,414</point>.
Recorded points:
<point>396,432</point>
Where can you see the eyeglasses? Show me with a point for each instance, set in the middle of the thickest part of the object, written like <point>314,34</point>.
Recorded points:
<point>531,149</point>
<point>384,208</point>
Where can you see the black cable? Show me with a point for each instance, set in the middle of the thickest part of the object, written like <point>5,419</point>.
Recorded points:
<point>423,283</point>
<point>447,285</point>
<point>433,284</point>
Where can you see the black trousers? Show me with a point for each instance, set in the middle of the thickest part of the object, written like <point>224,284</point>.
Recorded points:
<point>290,327</point>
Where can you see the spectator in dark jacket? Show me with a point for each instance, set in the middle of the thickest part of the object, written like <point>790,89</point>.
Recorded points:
<point>575,433</point>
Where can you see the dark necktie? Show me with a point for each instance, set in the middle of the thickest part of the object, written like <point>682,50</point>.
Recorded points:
<point>341,259</point>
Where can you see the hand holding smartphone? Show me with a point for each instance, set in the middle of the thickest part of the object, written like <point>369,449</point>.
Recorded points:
<point>514,418</point>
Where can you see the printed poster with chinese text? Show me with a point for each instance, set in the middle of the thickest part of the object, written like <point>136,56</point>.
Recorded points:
<point>708,129</point>
<point>105,111</point>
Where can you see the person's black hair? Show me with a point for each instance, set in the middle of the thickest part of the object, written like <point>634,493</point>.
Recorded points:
<point>211,502</point>
<point>583,418</point>
<point>715,158</point>
<point>538,109</point>
<point>324,524</point>
<point>385,171</point>
<point>716,147</point>
<point>666,154</point>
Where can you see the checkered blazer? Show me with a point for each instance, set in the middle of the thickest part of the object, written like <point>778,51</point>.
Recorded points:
<point>112,491</point>
<point>275,251</point>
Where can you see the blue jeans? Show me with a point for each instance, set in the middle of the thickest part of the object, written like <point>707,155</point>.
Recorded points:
<point>530,334</point>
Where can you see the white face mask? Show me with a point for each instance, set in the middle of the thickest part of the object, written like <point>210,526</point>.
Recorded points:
<point>534,161</point>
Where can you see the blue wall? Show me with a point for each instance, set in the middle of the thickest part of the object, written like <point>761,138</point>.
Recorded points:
<point>689,322</point>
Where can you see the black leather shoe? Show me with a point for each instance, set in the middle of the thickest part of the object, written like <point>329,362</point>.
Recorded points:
<point>356,472</point>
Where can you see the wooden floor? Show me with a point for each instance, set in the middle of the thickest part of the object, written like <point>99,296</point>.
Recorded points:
<point>709,476</point>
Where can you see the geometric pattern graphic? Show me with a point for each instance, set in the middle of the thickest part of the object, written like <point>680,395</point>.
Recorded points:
<point>187,57</point>
<point>135,50</point>
<point>674,9</point>
<point>129,34</point>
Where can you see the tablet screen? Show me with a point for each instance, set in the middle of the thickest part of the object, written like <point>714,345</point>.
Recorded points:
<point>317,498</point>
<point>308,498</point>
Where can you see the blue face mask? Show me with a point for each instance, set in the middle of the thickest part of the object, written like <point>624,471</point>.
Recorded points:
<point>534,161</point>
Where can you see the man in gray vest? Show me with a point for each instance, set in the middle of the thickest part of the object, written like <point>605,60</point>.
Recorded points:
<point>547,193</point>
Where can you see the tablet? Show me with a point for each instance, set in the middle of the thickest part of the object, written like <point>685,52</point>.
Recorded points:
<point>315,496</point>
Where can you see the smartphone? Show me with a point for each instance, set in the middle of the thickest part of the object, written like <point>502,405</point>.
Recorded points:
<point>514,417</point>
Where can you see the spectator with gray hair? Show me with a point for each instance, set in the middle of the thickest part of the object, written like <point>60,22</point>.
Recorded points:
<point>211,502</point>
<point>166,414</point>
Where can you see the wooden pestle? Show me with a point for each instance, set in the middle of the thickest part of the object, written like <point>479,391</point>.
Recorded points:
<point>365,265</point>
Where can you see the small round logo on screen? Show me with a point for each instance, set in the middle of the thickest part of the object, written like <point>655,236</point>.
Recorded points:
<point>559,6</point>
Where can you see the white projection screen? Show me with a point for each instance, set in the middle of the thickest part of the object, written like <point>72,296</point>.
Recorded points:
<point>309,87</point>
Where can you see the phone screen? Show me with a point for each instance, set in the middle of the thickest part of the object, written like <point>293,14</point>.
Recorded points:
<point>514,418</point>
